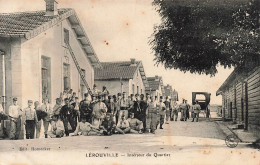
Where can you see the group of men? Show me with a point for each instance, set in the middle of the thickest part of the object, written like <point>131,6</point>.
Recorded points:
<point>97,114</point>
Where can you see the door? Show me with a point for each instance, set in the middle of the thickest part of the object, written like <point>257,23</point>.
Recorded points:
<point>230,110</point>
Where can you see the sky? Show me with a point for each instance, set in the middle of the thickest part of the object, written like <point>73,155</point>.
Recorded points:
<point>121,29</point>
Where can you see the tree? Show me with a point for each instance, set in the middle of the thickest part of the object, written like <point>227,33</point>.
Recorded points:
<point>197,36</point>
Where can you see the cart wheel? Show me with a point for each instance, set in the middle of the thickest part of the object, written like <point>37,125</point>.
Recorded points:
<point>231,141</point>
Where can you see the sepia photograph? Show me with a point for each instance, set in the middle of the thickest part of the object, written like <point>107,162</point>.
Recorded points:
<point>125,82</point>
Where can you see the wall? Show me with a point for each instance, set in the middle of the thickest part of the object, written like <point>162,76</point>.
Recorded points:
<point>137,81</point>
<point>51,44</point>
<point>113,86</point>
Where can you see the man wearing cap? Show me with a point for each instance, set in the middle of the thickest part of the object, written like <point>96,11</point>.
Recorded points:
<point>99,112</point>
<point>86,129</point>
<point>167,105</point>
<point>196,110</point>
<point>95,91</point>
<point>46,107</point>
<point>15,113</point>
<point>116,108</point>
<point>124,106</point>
<point>187,109</point>
<point>123,126</point>
<point>151,120</point>
<point>175,109</point>
<point>30,120</point>
<point>143,111</point>
<point>66,115</point>
<point>57,107</point>
<point>110,107</point>
<point>183,109</point>
<point>136,106</point>
<point>108,125</point>
<point>85,109</point>
<point>161,108</point>
<point>57,127</point>
<point>136,126</point>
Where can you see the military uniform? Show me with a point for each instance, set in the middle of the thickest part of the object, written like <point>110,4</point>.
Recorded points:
<point>66,115</point>
<point>167,105</point>
<point>57,129</point>
<point>31,119</point>
<point>183,109</point>
<point>151,120</point>
<point>175,108</point>
<point>124,107</point>
<point>99,113</point>
<point>15,113</point>
<point>162,111</point>
<point>85,110</point>
<point>46,121</point>
<point>143,113</point>
<point>196,110</point>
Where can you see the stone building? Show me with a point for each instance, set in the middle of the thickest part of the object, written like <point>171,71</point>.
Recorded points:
<point>241,96</point>
<point>36,62</point>
<point>118,77</point>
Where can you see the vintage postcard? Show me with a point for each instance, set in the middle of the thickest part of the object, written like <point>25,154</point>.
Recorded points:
<point>129,82</point>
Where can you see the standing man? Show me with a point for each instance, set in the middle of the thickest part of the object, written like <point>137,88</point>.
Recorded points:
<point>196,110</point>
<point>31,120</point>
<point>136,107</point>
<point>183,109</point>
<point>187,109</point>
<point>85,109</point>
<point>99,112</point>
<point>175,111</point>
<point>124,105</point>
<point>15,113</point>
<point>143,111</point>
<point>46,107</point>
<point>151,120</point>
<point>167,105</point>
<point>66,115</point>
<point>117,106</point>
<point>161,108</point>
<point>57,107</point>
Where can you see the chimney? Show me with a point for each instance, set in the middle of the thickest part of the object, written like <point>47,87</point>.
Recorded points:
<point>156,77</point>
<point>132,61</point>
<point>51,7</point>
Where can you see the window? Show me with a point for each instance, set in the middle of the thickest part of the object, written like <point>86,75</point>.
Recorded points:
<point>133,89</point>
<point>137,89</point>
<point>82,85</point>
<point>66,35</point>
<point>66,76</point>
<point>46,77</point>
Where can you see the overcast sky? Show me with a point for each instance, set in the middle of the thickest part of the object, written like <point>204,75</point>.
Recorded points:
<point>120,30</point>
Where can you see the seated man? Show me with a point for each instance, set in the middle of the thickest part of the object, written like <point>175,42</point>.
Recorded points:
<point>136,125</point>
<point>108,126</point>
<point>85,128</point>
<point>123,126</point>
<point>57,127</point>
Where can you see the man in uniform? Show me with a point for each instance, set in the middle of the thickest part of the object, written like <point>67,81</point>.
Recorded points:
<point>167,105</point>
<point>66,115</point>
<point>143,111</point>
<point>86,129</point>
<point>57,107</point>
<point>175,109</point>
<point>151,120</point>
<point>30,120</point>
<point>15,113</point>
<point>196,110</point>
<point>183,109</point>
<point>187,109</point>
<point>108,126</point>
<point>99,112</point>
<point>46,107</point>
<point>136,126</point>
<point>161,108</point>
<point>124,107</point>
<point>123,126</point>
<point>57,127</point>
<point>85,110</point>
<point>136,107</point>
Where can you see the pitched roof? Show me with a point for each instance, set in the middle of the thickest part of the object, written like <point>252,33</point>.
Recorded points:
<point>117,70</point>
<point>153,85</point>
<point>30,24</point>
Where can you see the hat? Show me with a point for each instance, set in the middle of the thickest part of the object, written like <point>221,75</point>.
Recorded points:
<point>147,94</point>
<point>132,95</point>
<point>124,92</point>
<point>95,85</point>
<point>86,94</point>
<point>136,95</point>
<point>119,94</point>
<point>114,96</point>
<point>15,99</point>
<point>161,97</point>
<point>142,95</point>
<point>109,97</point>
<point>66,99</point>
<point>30,101</point>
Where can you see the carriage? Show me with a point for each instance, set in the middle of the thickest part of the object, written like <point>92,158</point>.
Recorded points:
<point>203,99</point>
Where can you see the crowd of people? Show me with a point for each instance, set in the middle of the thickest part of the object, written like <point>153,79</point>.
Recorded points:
<point>97,114</point>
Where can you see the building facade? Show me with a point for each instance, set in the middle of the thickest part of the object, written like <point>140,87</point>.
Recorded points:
<point>156,87</point>
<point>241,96</point>
<point>36,63</point>
<point>118,77</point>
